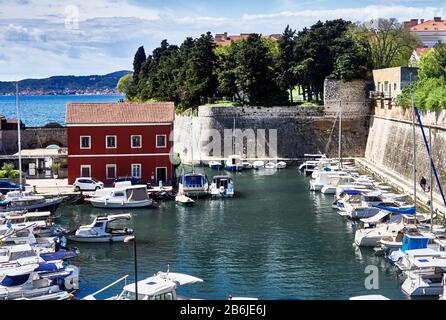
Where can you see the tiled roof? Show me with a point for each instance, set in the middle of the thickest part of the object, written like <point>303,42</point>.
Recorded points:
<point>119,112</point>
<point>430,25</point>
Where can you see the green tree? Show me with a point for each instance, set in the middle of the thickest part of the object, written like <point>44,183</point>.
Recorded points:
<point>126,85</point>
<point>140,58</point>
<point>286,61</point>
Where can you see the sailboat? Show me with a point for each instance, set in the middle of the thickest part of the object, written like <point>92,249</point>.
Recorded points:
<point>25,201</point>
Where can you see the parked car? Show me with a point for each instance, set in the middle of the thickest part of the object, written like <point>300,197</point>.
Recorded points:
<point>87,184</point>
<point>133,180</point>
<point>6,186</point>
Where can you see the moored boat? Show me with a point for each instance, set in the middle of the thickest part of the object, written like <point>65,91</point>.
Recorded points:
<point>134,196</point>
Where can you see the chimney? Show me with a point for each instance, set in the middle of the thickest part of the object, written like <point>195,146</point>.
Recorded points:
<point>437,19</point>
<point>411,23</point>
<point>421,20</point>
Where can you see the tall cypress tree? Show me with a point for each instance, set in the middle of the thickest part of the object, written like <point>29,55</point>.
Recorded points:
<point>140,58</point>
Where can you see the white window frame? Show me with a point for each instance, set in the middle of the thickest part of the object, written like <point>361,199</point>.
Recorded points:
<point>85,166</point>
<point>140,170</point>
<point>80,142</point>
<point>106,142</point>
<point>156,173</point>
<point>140,141</point>
<point>165,141</point>
<point>106,171</point>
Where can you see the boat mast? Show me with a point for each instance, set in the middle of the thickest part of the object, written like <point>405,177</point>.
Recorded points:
<point>414,153</point>
<point>19,140</point>
<point>192,142</point>
<point>233,137</point>
<point>431,178</point>
<point>340,135</point>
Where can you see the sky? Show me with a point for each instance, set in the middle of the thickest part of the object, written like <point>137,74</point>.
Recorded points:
<point>42,38</point>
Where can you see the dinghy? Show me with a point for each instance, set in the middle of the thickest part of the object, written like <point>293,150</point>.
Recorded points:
<point>183,200</point>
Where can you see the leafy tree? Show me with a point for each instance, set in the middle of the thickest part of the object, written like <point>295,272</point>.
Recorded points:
<point>391,43</point>
<point>225,71</point>
<point>286,61</point>
<point>126,85</point>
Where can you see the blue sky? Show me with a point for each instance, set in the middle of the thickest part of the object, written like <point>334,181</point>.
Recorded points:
<point>41,38</point>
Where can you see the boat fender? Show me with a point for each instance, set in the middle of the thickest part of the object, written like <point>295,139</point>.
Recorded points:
<point>222,189</point>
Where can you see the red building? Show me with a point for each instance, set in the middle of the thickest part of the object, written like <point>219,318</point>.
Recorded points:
<point>109,140</point>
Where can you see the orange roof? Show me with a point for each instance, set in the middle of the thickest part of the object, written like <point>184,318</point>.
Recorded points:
<point>423,51</point>
<point>430,25</point>
<point>119,112</point>
<point>225,39</point>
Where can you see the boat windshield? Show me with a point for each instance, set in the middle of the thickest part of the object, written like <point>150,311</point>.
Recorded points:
<point>137,194</point>
<point>194,181</point>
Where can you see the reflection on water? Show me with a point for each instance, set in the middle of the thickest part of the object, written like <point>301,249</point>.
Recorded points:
<point>274,240</point>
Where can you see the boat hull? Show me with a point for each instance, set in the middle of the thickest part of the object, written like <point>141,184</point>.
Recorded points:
<point>234,168</point>
<point>120,205</point>
<point>50,206</point>
<point>111,238</point>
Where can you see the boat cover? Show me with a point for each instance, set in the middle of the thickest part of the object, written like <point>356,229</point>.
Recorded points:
<point>47,267</point>
<point>402,210</point>
<point>411,242</point>
<point>377,217</point>
<point>59,255</point>
<point>12,281</point>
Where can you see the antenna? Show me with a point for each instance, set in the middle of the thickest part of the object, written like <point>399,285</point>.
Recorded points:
<point>19,140</point>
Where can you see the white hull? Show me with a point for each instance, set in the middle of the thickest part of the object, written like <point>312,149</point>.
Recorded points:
<point>414,288</point>
<point>114,205</point>
<point>329,190</point>
<point>114,238</point>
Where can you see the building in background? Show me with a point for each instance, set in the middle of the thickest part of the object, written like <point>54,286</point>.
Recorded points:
<point>110,140</point>
<point>223,39</point>
<point>429,32</point>
<point>414,60</point>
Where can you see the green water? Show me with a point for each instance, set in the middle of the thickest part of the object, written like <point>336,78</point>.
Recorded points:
<point>274,240</point>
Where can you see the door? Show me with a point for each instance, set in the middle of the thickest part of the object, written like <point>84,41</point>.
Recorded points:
<point>161,175</point>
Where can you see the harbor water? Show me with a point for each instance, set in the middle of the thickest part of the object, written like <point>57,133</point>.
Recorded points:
<point>274,240</point>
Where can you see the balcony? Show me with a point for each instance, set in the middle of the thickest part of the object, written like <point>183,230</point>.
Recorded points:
<point>380,95</point>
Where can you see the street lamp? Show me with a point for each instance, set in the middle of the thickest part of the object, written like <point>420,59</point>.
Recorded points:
<point>133,239</point>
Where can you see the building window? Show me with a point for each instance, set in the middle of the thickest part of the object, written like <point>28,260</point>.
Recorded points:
<point>85,142</point>
<point>86,171</point>
<point>110,142</point>
<point>394,87</point>
<point>136,170</point>
<point>136,141</point>
<point>111,171</point>
<point>161,141</point>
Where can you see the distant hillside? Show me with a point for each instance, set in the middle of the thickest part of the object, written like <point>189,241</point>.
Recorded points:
<point>93,84</point>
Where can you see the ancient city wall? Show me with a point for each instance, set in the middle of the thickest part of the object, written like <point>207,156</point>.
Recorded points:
<point>390,142</point>
<point>38,137</point>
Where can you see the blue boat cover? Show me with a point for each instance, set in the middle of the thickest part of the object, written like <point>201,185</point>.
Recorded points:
<point>411,242</point>
<point>59,255</point>
<point>352,192</point>
<point>11,281</point>
<point>46,267</point>
<point>404,210</point>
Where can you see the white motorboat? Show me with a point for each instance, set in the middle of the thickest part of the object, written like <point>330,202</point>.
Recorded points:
<point>161,286</point>
<point>427,277</point>
<point>258,164</point>
<point>370,237</point>
<point>100,231</point>
<point>281,165</point>
<point>234,163</point>
<point>134,196</point>
<point>270,165</point>
<point>184,200</point>
<point>222,186</point>
<point>27,201</point>
<point>370,297</point>
<point>247,165</point>
<point>193,185</point>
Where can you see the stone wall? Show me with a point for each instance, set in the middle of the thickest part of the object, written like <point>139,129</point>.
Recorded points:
<point>390,142</point>
<point>39,137</point>
<point>297,131</point>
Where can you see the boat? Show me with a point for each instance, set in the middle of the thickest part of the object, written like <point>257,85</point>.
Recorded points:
<point>215,165</point>
<point>281,165</point>
<point>270,165</point>
<point>234,163</point>
<point>182,199</point>
<point>222,186</point>
<point>258,164</point>
<point>247,165</point>
<point>193,185</point>
<point>426,279</point>
<point>370,237</point>
<point>27,201</point>
<point>100,231</point>
<point>161,286</point>
<point>133,196</point>
<point>370,297</point>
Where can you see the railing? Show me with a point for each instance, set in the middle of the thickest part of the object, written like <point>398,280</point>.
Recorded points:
<point>380,95</point>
